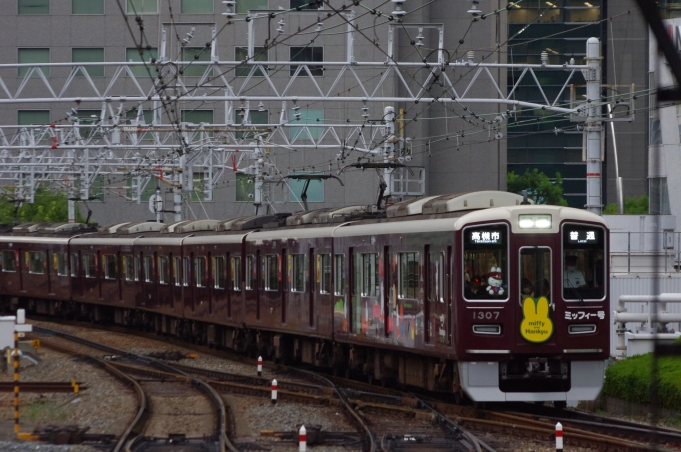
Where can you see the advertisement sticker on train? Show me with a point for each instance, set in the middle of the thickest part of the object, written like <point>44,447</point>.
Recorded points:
<point>537,326</point>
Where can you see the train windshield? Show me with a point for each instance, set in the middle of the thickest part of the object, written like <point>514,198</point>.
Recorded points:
<point>485,250</point>
<point>583,262</point>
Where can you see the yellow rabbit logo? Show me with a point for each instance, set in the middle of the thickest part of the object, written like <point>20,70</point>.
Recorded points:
<point>536,326</point>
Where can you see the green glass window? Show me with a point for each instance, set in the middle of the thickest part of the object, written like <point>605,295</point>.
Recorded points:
<point>196,7</point>
<point>148,116</point>
<point>256,117</point>
<point>33,56</point>
<point>34,6</point>
<point>132,55</point>
<point>245,187</point>
<point>147,191</point>
<point>307,54</point>
<point>87,6</point>
<point>241,53</point>
<point>315,191</point>
<point>197,116</point>
<point>190,54</point>
<point>305,4</point>
<point>89,55</point>
<point>308,116</point>
<point>199,180</point>
<point>244,6</point>
<point>142,6</point>
<point>28,117</point>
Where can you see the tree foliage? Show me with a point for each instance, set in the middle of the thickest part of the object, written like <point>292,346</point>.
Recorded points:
<point>540,188</point>
<point>632,206</point>
<point>48,207</point>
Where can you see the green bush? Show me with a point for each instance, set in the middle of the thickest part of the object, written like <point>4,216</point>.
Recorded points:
<point>632,206</point>
<point>631,380</point>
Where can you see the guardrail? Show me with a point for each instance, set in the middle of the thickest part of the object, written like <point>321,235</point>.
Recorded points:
<point>645,252</point>
<point>657,313</point>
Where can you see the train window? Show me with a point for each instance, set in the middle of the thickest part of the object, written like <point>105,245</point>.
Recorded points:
<point>62,264</point>
<point>148,263</point>
<point>163,270</point>
<point>409,275</point>
<point>36,262</point>
<point>236,273</point>
<point>90,264</point>
<point>436,277</point>
<point>370,275</point>
<point>185,270</point>
<point>584,275</point>
<point>219,272</point>
<point>110,266</point>
<point>200,271</point>
<point>129,268</point>
<point>74,265</point>
<point>250,272</point>
<point>339,274</point>
<point>297,273</point>
<point>324,261</point>
<point>9,261</point>
<point>535,273</point>
<point>177,270</point>
<point>485,254</point>
<point>272,272</point>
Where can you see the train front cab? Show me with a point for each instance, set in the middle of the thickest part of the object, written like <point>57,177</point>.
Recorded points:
<point>550,342</point>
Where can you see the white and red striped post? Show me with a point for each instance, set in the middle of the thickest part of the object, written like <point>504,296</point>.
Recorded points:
<point>274,392</point>
<point>302,439</point>
<point>259,366</point>
<point>559,437</point>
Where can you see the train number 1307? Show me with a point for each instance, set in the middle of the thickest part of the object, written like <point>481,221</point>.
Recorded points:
<point>485,315</point>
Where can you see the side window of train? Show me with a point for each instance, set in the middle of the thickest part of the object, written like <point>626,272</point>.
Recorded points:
<point>236,273</point>
<point>90,264</point>
<point>148,264</point>
<point>250,272</point>
<point>436,284</point>
<point>200,271</point>
<point>110,266</point>
<point>272,272</point>
<point>369,273</point>
<point>62,264</point>
<point>297,272</point>
<point>409,275</point>
<point>185,270</point>
<point>9,261</point>
<point>339,274</point>
<point>163,270</point>
<point>177,270</point>
<point>324,272</point>
<point>128,268</point>
<point>485,255</point>
<point>74,265</point>
<point>219,272</point>
<point>36,262</point>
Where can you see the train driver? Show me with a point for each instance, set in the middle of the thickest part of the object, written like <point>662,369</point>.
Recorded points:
<point>572,277</point>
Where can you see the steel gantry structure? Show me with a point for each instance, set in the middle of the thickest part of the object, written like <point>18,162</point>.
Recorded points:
<point>139,136</point>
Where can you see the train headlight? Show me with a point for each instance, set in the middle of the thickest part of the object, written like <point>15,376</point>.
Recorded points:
<point>534,221</point>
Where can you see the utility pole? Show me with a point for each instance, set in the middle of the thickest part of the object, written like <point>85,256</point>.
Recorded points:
<point>594,126</point>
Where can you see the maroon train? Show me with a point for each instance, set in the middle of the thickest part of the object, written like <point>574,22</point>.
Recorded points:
<point>474,293</point>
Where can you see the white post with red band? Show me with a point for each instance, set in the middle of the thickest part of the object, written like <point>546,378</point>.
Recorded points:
<point>559,437</point>
<point>302,439</point>
<point>259,366</point>
<point>274,392</point>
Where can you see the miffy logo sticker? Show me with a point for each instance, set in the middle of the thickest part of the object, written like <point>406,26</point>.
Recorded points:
<point>536,326</point>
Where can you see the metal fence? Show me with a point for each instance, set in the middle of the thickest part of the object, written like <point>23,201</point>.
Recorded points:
<point>645,252</point>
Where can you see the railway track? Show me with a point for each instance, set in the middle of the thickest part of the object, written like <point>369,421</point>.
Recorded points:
<point>390,420</point>
<point>158,385</point>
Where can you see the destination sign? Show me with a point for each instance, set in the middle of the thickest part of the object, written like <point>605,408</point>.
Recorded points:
<point>582,236</point>
<point>484,237</point>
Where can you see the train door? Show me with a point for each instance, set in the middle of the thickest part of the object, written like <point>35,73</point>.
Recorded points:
<point>352,292</point>
<point>285,277</point>
<point>50,257</point>
<point>387,284</point>
<point>448,291</point>
<point>311,281</point>
<point>534,292</point>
